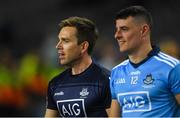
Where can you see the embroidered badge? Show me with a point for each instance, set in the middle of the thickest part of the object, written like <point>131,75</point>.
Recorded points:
<point>148,80</point>
<point>84,92</point>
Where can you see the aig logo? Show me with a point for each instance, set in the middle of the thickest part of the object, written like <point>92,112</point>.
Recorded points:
<point>135,101</point>
<point>72,108</point>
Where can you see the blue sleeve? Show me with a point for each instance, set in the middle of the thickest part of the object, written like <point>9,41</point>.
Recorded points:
<point>106,95</point>
<point>174,80</point>
<point>112,87</point>
<point>50,102</point>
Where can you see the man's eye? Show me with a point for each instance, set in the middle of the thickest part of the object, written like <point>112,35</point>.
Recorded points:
<point>124,29</point>
<point>66,40</point>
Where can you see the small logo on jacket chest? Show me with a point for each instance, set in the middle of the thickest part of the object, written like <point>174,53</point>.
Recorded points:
<point>120,81</point>
<point>148,80</point>
<point>84,92</point>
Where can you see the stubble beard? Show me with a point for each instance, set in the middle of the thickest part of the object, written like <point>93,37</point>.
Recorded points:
<point>72,62</point>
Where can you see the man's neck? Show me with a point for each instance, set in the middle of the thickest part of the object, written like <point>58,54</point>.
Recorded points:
<point>140,55</point>
<point>81,65</point>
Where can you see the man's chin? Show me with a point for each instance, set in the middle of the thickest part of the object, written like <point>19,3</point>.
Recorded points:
<point>64,63</point>
<point>123,50</point>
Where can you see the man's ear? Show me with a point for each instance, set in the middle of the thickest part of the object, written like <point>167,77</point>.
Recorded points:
<point>84,47</point>
<point>145,29</point>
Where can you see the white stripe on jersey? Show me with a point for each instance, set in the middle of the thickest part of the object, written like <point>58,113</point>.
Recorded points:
<point>122,63</point>
<point>165,61</point>
<point>174,60</point>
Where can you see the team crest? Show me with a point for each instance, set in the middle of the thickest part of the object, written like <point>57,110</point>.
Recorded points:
<point>84,92</point>
<point>148,80</point>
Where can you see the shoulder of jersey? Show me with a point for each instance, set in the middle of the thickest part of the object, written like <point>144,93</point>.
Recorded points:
<point>103,70</point>
<point>59,76</point>
<point>166,59</point>
<point>124,63</point>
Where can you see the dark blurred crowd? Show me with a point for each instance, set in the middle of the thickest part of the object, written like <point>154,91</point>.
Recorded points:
<point>23,84</point>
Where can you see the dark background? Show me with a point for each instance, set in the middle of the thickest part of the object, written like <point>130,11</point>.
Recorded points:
<point>31,27</point>
<point>25,24</point>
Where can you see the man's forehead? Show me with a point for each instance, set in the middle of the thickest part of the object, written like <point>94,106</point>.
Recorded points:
<point>130,20</point>
<point>68,31</point>
<point>126,21</point>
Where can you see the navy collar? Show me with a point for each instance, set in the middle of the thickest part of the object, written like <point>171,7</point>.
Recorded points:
<point>153,52</point>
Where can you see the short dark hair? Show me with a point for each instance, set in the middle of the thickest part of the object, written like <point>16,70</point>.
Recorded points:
<point>86,30</point>
<point>135,11</point>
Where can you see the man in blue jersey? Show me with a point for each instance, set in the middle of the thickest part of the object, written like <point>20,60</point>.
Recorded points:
<point>147,84</point>
<point>83,89</point>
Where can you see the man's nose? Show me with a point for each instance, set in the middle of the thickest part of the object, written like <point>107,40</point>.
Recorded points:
<point>118,34</point>
<point>59,44</point>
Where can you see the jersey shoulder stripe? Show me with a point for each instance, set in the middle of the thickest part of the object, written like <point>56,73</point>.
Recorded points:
<point>168,57</point>
<point>121,64</point>
<point>164,61</point>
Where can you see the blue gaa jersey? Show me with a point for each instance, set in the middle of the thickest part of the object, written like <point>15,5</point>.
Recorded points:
<point>147,89</point>
<point>83,95</point>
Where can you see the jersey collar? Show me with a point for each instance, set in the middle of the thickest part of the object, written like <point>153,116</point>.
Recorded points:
<point>153,52</point>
